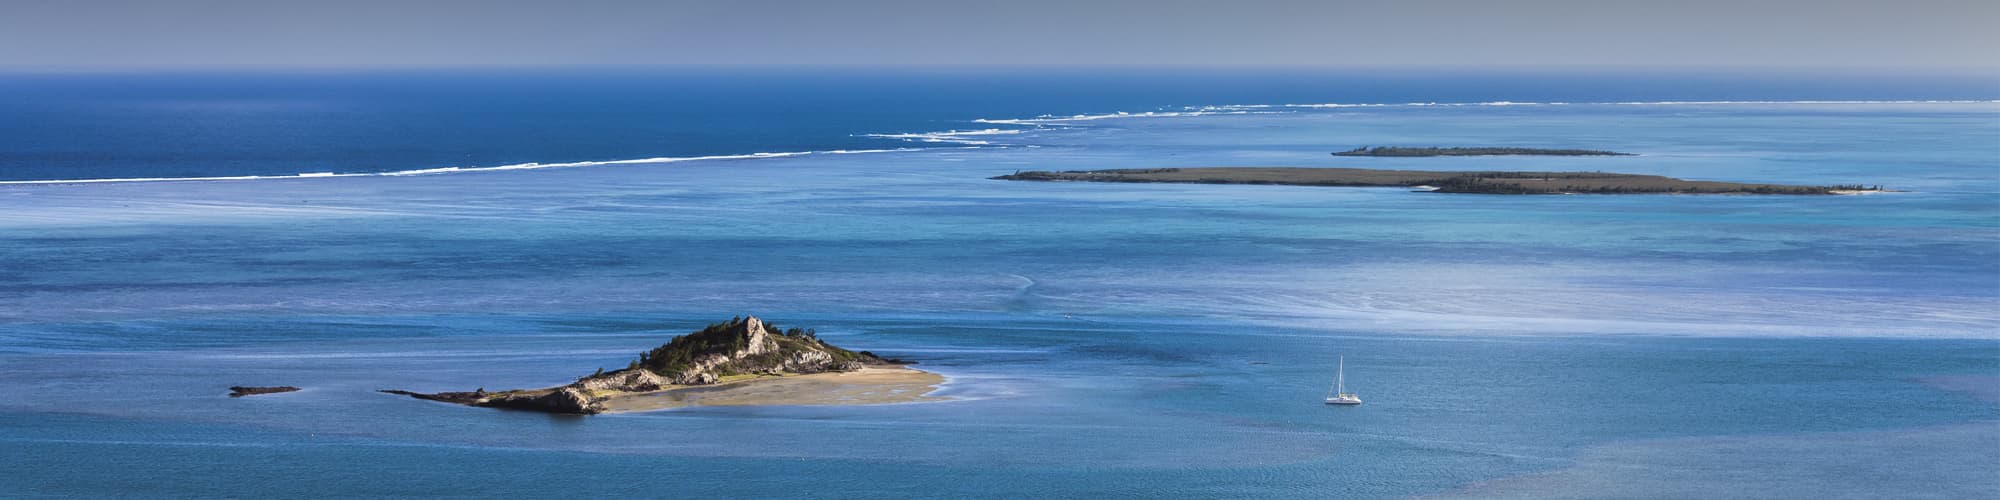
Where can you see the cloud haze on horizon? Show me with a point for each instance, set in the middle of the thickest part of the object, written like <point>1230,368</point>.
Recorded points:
<point>1940,34</point>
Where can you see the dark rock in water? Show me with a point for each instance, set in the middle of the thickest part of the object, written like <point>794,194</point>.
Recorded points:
<point>567,399</point>
<point>464,398</point>
<point>564,400</point>
<point>245,390</point>
<point>886,361</point>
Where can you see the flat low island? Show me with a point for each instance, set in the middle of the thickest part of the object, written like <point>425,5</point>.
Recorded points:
<point>1479,182</point>
<point>1401,151</point>
<point>744,361</point>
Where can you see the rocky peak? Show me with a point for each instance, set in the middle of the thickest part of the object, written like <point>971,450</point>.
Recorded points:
<point>754,334</point>
<point>742,346</point>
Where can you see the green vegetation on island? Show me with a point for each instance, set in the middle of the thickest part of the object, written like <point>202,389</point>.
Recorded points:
<point>740,348</point>
<point>747,346</point>
<point>1442,182</point>
<point>1407,151</point>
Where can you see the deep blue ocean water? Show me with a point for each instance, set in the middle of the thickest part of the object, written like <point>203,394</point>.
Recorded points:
<point>140,125</point>
<point>1101,339</point>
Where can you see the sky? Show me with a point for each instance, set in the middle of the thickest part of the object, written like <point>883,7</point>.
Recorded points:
<point>1908,34</point>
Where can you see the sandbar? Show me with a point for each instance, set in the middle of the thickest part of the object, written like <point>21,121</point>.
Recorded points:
<point>867,386</point>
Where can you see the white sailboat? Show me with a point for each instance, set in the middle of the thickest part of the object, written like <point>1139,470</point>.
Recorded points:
<point>1340,396</point>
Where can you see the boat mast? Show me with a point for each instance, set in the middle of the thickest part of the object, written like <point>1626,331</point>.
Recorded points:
<point>1340,377</point>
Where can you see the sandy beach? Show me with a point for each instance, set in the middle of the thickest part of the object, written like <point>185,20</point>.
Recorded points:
<point>867,386</point>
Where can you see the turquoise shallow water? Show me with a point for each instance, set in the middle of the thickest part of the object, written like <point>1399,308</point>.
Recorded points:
<point>1044,408</point>
<point>1101,339</point>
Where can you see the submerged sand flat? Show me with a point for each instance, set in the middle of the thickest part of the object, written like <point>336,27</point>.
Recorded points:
<point>867,386</point>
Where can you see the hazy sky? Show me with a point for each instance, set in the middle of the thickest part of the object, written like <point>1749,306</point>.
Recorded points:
<point>348,33</point>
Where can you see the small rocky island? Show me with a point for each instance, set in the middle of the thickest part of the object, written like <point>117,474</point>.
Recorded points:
<point>1413,152</point>
<point>251,390</point>
<point>702,368</point>
<point>1436,181</point>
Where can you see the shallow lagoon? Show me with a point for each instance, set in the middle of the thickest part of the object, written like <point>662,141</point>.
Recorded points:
<point>1132,340</point>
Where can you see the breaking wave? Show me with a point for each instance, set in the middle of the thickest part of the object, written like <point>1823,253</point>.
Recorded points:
<point>1047,119</point>
<point>949,136</point>
<point>458,170</point>
<point>1249,109</point>
<point>1245,107</point>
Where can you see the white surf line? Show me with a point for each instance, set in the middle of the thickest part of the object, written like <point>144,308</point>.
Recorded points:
<point>949,136</point>
<point>1243,109</point>
<point>1595,103</point>
<point>457,170</point>
<point>1046,119</point>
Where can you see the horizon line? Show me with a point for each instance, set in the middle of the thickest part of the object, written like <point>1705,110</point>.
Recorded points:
<point>1963,71</point>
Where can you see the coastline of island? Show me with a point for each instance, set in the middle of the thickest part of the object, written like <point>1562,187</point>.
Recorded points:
<point>870,385</point>
<point>743,361</point>
<point>1468,182</point>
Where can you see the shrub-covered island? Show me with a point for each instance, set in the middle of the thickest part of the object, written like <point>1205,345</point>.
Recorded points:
<point>1442,182</point>
<point>1403,151</point>
<point>739,351</point>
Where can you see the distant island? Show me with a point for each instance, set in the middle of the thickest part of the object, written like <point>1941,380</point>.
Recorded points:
<point>1403,151</point>
<point>717,366</point>
<point>1442,182</point>
<point>250,390</point>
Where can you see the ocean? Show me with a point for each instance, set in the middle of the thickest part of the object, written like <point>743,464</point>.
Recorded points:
<point>165,236</point>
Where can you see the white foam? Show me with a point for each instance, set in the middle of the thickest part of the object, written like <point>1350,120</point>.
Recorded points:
<point>1768,103</point>
<point>1047,119</point>
<point>1345,105</point>
<point>866,151</point>
<point>949,136</point>
<point>1243,109</point>
<point>426,171</point>
<point>455,170</point>
<point>1605,103</point>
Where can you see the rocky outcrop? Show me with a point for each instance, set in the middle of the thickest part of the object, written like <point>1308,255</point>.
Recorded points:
<point>624,381</point>
<point>463,398</point>
<point>559,400</point>
<point>748,346</point>
<point>758,337</point>
<point>747,334</point>
<point>565,399</point>
<point>822,362</point>
<point>808,362</point>
<point>251,390</point>
<point>696,378</point>
<point>741,346</point>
